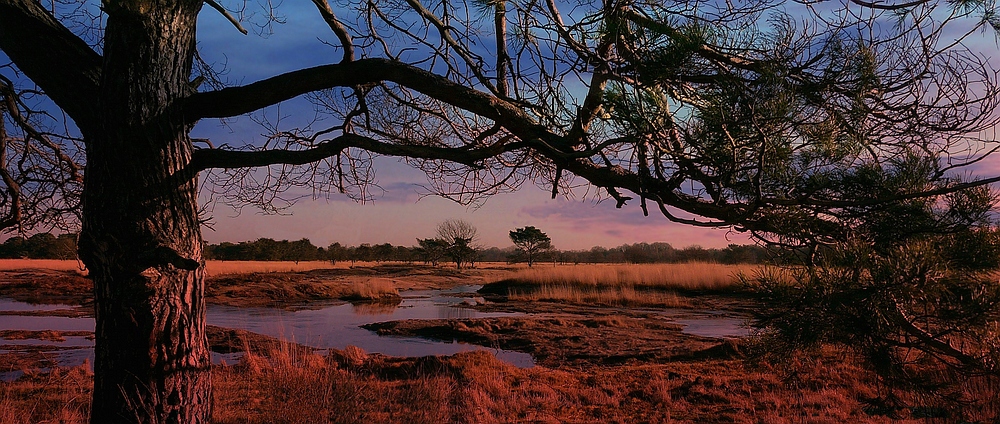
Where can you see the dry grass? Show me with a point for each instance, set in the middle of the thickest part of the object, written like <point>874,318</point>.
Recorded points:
<point>213,268</point>
<point>697,276</point>
<point>637,285</point>
<point>61,396</point>
<point>610,296</point>
<point>53,264</point>
<point>371,289</point>
<point>353,387</point>
<point>283,384</point>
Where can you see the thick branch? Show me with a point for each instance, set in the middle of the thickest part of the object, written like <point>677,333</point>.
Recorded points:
<point>239,100</point>
<point>53,57</point>
<point>217,158</point>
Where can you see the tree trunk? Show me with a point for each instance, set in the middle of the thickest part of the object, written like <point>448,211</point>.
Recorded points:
<point>141,237</point>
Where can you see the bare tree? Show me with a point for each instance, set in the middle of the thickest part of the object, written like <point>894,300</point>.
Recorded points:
<point>458,237</point>
<point>713,113</point>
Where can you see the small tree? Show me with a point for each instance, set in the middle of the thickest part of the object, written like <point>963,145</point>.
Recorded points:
<point>458,236</point>
<point>910,287</point>
<point>530,242</point>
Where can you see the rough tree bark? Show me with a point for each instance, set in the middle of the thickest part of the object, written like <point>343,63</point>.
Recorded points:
<point>141,239</point>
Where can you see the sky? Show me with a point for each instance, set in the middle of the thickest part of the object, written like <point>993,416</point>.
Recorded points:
<point>401,216</point>
<point>404,212</point>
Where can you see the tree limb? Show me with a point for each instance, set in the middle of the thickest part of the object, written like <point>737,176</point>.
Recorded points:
<point>217,158</point>
<point>337,28</point>
<point>53,57</point>
<point>229,16</point>
<point>239,100</point>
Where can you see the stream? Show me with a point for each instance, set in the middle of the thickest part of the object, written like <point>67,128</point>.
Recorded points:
<point>335,326</point>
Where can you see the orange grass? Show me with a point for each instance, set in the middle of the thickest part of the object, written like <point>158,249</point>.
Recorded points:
<point>61,396</point>
<point>611,296</point>
<point>636,285</point>
<point>288,385</point>
<point>214,268</point>
<point>372,289</point>
<point>686,276</point>
<point>53,264</point>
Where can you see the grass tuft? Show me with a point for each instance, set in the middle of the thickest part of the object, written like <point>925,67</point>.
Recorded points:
<point>372,289</point>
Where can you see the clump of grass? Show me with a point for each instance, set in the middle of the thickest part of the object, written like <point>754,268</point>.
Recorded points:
<point>693,276</point>
<point>606,295</point>
<point>286,386</point>
<point>372,290</point>
<point>622,285</point>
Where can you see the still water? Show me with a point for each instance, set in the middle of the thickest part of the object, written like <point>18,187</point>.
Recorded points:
<point>338,326</point>
<point>332,326</point>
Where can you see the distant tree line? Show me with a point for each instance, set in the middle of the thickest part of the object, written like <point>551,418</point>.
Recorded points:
<point>48,246</point>
<point>642,253</point>
<point>433,251</point>
<point>39,246</point>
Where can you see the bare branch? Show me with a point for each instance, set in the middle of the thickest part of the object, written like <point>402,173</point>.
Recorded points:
<point>53,57</point>
<point>232,19</point>
<point>337,27</point>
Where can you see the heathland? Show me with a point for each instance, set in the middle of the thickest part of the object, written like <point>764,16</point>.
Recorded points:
<point>608,342</point>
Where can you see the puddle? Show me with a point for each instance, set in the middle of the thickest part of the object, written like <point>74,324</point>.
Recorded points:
<point>706,323</point>
<point>33,323</point>
<point>70,341</point>
<point>716,327</point>
<point>15,306</point>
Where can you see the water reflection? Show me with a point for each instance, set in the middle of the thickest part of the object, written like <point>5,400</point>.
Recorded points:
<point>338,326</point>
<point>334,326</point>
<point>15,306</point>
<point>716,327</point>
